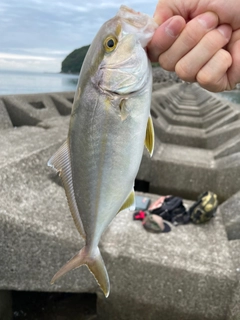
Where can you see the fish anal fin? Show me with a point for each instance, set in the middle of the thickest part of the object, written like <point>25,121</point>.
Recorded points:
<point>95,264</point>
<point>61,162</point>
<point>130,201</point>
<point>149,139</point>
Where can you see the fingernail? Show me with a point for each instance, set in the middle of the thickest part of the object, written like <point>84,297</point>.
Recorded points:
<point>225,30</point>
<point>173,27</point>
<point>208,20</point>
<point>157,18</point>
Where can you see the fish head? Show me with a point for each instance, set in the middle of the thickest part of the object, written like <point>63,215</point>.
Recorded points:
<point>124,66</point>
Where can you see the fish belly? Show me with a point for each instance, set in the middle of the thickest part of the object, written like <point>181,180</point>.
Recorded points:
<point>106,153</point>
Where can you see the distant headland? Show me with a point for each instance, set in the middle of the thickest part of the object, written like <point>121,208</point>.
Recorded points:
<point>73,62</point>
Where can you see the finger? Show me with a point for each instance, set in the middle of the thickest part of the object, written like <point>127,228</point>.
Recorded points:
<point>162,13</point>
<point>227,11</point>
<point>188,67</point>
<point>234,49</point>
<point>165,9</point>
<point>194,31</point>
<point>164,37</point>
<point>213,75</point>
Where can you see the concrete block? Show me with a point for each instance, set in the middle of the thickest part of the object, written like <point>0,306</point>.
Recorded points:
<point>150,274</point>
<point>185,274</point>
<point>5,121</point>
<point>231,217</point>
<point>234,308</point>
<point>33,215</point>
<point>197,137</point>
<point>29,110</point>
<point>63,103</point>
<point>162,76</point>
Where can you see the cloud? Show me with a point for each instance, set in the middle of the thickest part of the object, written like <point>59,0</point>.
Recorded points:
<point>29,63</point>
<point>9,61</point>
<point>45,51</point>
<point>52,29</point>
<point>8,56</point>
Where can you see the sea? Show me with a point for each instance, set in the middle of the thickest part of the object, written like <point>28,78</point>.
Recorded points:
<point>22,82</point>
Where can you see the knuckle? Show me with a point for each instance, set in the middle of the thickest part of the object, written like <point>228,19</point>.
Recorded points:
<point>211,76</point>
<point>210,43</point>
<point>184,72</point>
<point>210,81</point>
<point>190,38</point>
<point>225,58</point>
<point>207,81</point>
<point>205,78</point>
<point>166,62</point>
<point>214,41</point>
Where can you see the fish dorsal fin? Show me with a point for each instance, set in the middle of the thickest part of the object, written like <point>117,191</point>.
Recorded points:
<point>61,162</point>
<point>149,139</point>
<point>130,201</point>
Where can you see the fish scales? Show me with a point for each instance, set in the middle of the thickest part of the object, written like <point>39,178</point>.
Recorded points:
<point>109,125</point>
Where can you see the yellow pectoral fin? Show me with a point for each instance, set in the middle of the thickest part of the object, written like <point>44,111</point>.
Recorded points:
<point>129,202</point>
<point>123,110</point>
<point>149,139</point>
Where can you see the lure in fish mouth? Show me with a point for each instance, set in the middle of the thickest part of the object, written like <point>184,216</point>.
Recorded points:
<point>109,126</point>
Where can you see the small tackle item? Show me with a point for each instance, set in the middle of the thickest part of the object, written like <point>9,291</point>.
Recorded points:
<point>204,209</point>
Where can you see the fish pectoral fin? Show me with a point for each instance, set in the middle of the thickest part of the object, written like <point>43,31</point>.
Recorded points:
<point>61,162</point>
<point>130,201</point>
<point>123,110</point>
<point>149,139</point>
<point>95,264</point>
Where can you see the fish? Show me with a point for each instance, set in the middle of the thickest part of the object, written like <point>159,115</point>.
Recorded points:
<point>109,125</point>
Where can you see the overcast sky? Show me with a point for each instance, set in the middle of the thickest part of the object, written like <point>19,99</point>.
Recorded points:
<point>36,35</point>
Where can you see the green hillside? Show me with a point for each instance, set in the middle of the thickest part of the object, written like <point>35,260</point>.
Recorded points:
<point>73,62</point>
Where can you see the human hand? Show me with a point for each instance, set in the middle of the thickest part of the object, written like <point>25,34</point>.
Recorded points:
<point>192,43</point>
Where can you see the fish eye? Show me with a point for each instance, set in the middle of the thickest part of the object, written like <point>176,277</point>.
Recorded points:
<point>110,43</point>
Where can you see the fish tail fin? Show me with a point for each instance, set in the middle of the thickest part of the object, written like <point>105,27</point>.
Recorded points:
<point>95,264</point>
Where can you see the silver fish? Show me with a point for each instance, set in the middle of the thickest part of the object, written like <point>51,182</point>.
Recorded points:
<point>109,125</point>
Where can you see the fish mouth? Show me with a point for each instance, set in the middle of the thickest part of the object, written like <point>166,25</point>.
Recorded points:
<point>136,19</point>
<point>132,17</point>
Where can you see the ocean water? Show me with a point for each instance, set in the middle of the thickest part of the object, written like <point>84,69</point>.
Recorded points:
<point>20,82</point>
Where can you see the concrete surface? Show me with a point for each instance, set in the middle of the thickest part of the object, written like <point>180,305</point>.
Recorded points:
<point>231,217</point>
<point>188,274</point>
<point>234,308</point>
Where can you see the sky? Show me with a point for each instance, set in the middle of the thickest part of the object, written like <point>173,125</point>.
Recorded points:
<point>36,35</point>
